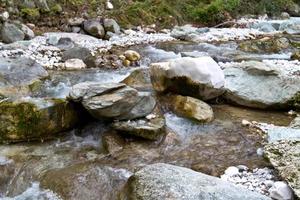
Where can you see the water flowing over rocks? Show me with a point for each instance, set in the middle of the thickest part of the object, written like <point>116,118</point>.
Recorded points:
<point>197,77</point>
<point>163,181</point>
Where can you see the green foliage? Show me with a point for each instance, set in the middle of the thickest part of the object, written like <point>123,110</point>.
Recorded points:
<point>30,13</point>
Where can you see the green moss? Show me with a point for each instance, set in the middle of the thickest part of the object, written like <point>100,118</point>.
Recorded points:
<point>30,13</point>
<point>56,9</point>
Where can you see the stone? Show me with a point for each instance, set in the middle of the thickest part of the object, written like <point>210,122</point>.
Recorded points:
<point>259,68</point>
<point>112,142</point>
<point>196,77</point>
<point>29,119</point>
<point>258,91</point>
<point>85,181</point>
<point>139,79</point>
<point>109,5</point>
<point>4,16</point>
<point>152,129</point>
<point>81,53</point>
<point>65,43</point>
<point>110,25</point>
<point>232,171</point>
<point>113,100</point>
<point>281,191</point>
<point>164,181</point>
<point>285,15</point>
<point>76,21</point>
<point>269,45</point>
<point>29,34</point>
<point>284,156</point>
<point>295,123</point>
<point>74,64</point>
<point>11,33</point>
<point>15,72</point>
<point>132,55</point>
<point>295,55</point>
<point>94,28</point>
<point>191,108</point>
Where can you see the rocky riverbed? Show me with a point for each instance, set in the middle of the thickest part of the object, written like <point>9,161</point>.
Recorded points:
<point>188,113</point>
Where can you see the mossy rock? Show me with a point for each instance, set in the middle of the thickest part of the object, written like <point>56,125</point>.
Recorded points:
<point>35,119</point>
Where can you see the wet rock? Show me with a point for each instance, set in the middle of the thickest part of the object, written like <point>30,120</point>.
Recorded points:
<point>35,119</point>
<point>152,129</point>
<point>258,91</point>
<point>163,181</point>
<point>270,45</point>
<point>11,33</point>
<point>112,142</point>
<point>139,79</point>
<point>110,25</point>
<point>65,43</point>
<point>113,100</point>
<point>284,156</point>
<point>281,191</point>
<point>94,28</point>
<point>74,64</point>
<point>20,72</point>
<point>191,108</point>
<point>259,68</point>
<point>197,77</point>
<point>85,181</point>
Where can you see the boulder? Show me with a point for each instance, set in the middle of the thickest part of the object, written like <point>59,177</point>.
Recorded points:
<point>85,181</point>
<point>152,129</point>
<point>112,100</point>
<point>81,53</point>
<point>20,72</point>
<point>94,28</point>
<point>164,181</point>
<point>295,123</point>
<point>197,77</point>
<point>110,25</point>
<point>35,119</point>
<point>132,55</point>
<point>261,90</point>
<point>29,34</point>
<point>11,33</point>
<point>284,156</point>
<point>191,108</point>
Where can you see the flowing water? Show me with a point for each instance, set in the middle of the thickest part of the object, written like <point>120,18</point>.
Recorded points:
<point>76,162</point>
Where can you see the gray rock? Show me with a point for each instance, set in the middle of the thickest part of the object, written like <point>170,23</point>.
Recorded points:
<point>144,105</point>
<point>20,72</point>
<point>280,190</point>
<point>284,156</point>
<point>110,25</point>
<point>77,21</point>
<point>114,100</point>
<point>163,181</point>
<point>65,43</point>
<point>94,28</point>
<point>79,53</point>
<point>4,16</point>
<point>29,34</point>
<point>197,77</point>
<point>152,129</point>
<point>276,133</point>
<point>11,33</point>
<point>76,29</point>
<point>260,90</point>
<point>259,68</point>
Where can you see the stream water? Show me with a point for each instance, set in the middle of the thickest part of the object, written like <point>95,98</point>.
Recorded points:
<point>76,163</point>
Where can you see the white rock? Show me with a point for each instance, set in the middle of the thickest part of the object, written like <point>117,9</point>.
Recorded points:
<point>281,191</point>
<point>109,5</point>
<point>246,123</point>
<point>74,64</point>
<point>4,16</point>
<point>232,171</point>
